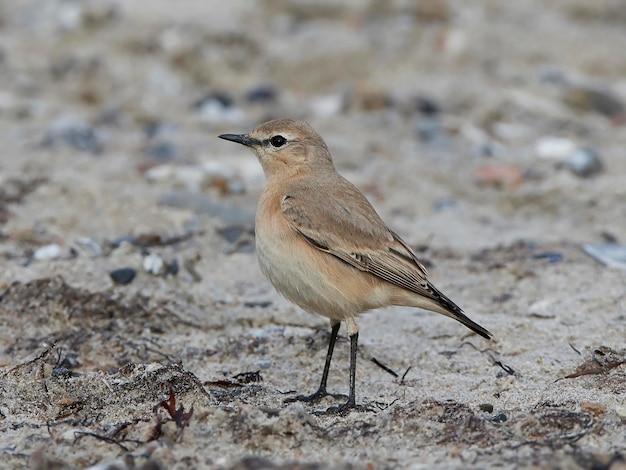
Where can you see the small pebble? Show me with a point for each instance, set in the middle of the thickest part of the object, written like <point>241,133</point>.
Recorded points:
<point>554,148</point>
<point>228,186</point>
<point>594,408</point>
<point>123,276</point>
<point>153,264</point>
<point>263,364</point>
<point>223,99</point>
<point>75,132</point>
<point>550,256</point>
<point>543,308</point>
<point>52,251</point>
<point>427,106</point>
<point>261,94</point>
<point>327,106</point>
<point>91,245</point>
<point>218,108</point>
<point>509,131</point>
<point>257,303</point>
<point>584,162</point>
<point>109,466</point>
<point>488,149</point>
<point>486,407</point>
<point>368,98</point>
<point>609,254</point>
<point>600,101</point>
<point>499,418</point>
<point>227,178</point>
<point>266,332</point>
<point>494,174</point>
<point>608,236</point>
<point>172,268</point>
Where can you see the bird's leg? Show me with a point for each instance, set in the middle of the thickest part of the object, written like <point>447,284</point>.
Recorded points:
<point>329,355</point>
<point>354,340</point>
<point>321,391</point>
<point>351,403</point>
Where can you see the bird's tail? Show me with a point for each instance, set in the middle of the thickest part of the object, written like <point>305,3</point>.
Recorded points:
<point>449,308</point>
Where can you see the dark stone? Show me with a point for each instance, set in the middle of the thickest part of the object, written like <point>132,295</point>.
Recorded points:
<point>551,256</point>
<point>171,268</point>
<point>257,303</point>
<point>261,94</point>
<point>584,162</point>
<point>123,276</point>
<point>427,106</point>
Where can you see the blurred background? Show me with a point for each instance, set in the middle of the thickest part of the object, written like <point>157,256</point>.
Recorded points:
<point>513,110</point>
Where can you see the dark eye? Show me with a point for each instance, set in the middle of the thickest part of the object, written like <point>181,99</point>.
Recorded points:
<point>278,141</point>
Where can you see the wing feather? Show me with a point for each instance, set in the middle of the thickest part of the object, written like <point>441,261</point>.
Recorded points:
<point>360,238</point>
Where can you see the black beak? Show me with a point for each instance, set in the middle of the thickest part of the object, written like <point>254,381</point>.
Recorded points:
<point>243,139</point>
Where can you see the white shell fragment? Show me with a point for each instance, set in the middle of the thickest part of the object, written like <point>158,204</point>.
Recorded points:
<point>153,264</point>
<point>610,254</point>
<point>52,251</point>
<point>554,148</point>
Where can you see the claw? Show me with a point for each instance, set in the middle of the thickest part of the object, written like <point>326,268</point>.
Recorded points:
<point>314,397</point>
<point>344,409</point>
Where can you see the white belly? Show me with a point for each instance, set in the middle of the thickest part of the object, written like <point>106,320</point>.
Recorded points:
<point>298,281</point>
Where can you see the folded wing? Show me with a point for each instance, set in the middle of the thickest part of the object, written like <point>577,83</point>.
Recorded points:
<point>362,240</point>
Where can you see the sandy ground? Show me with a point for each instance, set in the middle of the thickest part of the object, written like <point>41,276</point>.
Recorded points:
<point>109,113</point>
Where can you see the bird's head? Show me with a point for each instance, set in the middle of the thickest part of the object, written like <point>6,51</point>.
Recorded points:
<point>286,147</point>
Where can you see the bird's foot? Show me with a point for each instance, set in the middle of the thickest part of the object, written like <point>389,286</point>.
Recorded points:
<point>344,409</point>
<point>315,397</point>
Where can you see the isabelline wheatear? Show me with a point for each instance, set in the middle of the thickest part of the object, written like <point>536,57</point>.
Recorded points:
<point>323,246</point>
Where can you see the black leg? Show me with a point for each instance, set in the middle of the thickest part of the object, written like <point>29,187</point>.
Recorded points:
<point>351,403</point>
<point>321,391</point>
<point>329,355</point>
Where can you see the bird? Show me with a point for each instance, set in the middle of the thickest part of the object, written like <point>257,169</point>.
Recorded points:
<point>323,246</point>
